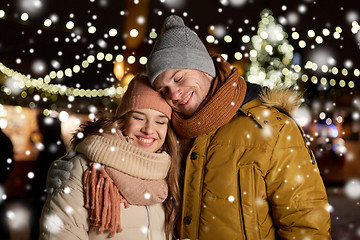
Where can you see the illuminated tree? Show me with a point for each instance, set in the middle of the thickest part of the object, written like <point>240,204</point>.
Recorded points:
<point>271,56</point>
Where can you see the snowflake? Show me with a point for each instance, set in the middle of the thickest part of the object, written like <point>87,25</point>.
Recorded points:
<point>69,210</point>
<point>67,190</point>
<point>147,195</point>
<point>329,208</point>
<point>53,223</point>
<point>352,189</point>
<point>144,229</point>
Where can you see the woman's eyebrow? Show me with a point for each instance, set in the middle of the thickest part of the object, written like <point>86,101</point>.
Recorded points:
<point>139,112</point>
<point>160,115</point>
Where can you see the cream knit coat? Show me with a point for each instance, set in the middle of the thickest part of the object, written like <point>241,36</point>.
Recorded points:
<point>64,215</point>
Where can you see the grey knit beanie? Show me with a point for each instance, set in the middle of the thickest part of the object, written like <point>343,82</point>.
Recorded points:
<point>178,47</point>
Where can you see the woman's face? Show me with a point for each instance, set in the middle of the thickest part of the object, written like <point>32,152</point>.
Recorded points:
<point>146,129</point>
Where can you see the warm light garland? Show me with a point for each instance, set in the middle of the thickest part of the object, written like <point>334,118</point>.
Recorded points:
<point>20,82</point>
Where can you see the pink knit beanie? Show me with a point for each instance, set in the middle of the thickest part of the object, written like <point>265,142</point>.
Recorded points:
<point>141,95</point>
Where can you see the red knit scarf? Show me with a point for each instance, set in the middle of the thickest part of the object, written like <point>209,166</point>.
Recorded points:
<point>221,104</point>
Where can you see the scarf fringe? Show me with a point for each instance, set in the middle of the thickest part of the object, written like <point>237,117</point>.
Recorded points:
<point>102,200</point>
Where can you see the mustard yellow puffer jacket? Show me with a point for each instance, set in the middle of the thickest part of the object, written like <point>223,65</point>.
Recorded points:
<point>254,178</point>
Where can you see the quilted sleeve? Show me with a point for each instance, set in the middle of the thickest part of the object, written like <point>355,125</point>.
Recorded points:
<point>295,188</point>
<point>64,215</point>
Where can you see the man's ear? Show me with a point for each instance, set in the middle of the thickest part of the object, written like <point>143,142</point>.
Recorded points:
<point>208,76</point>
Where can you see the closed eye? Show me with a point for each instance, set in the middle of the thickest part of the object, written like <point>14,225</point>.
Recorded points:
<point>138,118</point>
<point>178,79</point>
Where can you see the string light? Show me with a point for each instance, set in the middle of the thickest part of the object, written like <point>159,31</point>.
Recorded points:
<point>47,23</point>
<point>85,64</point>
<point>355,27</point>
<point>327,69</point>
<point>42,84</point>
<point>24,17</point>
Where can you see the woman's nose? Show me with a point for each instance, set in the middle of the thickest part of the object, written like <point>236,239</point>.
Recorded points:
<point>148,128</point>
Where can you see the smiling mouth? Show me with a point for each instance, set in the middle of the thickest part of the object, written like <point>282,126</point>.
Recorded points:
<point>186,100</point>
<point>146,140</point>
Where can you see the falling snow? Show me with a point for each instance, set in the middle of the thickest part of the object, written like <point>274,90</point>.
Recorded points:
<point>65,42</point>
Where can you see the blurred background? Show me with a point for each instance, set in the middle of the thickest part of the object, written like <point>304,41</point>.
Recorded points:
<point>63,62</point>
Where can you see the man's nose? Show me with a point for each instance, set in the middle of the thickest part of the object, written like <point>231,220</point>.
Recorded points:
<point>175,93</point>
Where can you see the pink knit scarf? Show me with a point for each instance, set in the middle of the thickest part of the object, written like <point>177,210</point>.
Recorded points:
<point>105,190</point>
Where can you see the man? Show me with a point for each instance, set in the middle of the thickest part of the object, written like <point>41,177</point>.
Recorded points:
<point>249,171</point>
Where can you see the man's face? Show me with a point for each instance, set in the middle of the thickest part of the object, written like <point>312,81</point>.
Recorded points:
<point>183,89</point>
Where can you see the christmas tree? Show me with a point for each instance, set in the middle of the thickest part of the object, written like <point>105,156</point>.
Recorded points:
<point>271,55</point>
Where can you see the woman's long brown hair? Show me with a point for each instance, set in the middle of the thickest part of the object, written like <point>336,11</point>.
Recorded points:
<point>172,202</point>
<point>171,146</point>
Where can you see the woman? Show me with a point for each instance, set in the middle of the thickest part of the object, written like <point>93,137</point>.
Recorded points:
<point>126,188</point>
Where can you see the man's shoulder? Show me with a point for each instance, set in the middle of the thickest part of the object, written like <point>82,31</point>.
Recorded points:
<point>284,100</point>
<point>261,114</point>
